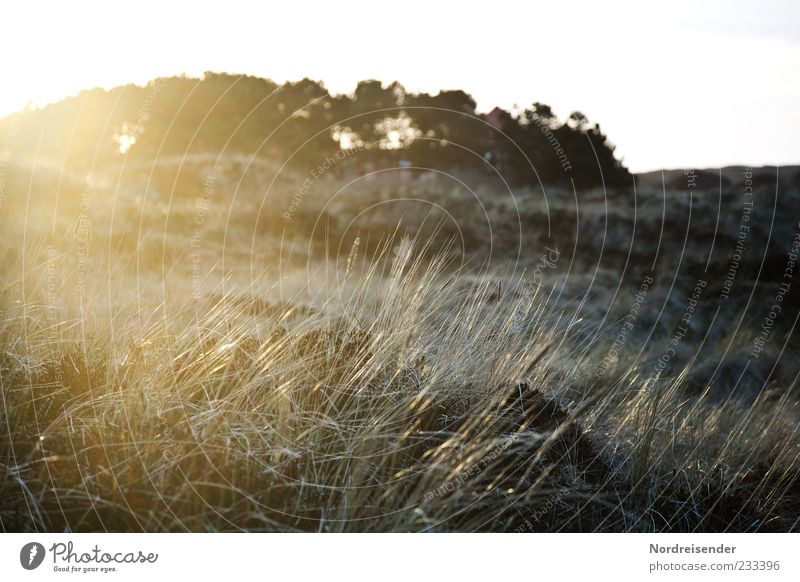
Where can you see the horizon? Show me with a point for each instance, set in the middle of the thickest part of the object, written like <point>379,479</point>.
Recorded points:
<point>689,89</point>
<point>725,166</point>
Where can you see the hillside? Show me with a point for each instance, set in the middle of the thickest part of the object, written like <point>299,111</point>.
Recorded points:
<point>231,305</point>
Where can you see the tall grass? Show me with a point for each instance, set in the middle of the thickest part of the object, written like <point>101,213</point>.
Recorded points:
<point>410,399</point>
<point>393,392</point>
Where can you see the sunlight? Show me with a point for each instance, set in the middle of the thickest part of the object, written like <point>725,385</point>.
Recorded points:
<point>126,137</point>
<point>721,42</point>
<point>125,142</point>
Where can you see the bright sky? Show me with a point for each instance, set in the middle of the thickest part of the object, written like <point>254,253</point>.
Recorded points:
<point>674,84</point>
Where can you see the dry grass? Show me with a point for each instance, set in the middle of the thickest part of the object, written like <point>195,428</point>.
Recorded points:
<point>406,401</point>
<point>390,391</point>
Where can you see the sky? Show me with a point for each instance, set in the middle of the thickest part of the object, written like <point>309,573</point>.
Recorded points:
<point>674,84</point>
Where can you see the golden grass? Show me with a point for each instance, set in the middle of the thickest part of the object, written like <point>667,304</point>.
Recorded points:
<point>405,401</point>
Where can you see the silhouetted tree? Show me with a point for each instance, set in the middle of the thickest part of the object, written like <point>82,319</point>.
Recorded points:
<point>303,124</point>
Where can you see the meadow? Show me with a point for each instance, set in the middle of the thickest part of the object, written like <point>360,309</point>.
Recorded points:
<point>196,345</point>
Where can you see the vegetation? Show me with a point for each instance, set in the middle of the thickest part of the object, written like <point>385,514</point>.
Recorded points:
<point>300,124</point>
<point>417,405</point>
<point>194,338</point>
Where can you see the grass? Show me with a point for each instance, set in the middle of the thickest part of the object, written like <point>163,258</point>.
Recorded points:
<point>409,399</point>
<point>154,380</point>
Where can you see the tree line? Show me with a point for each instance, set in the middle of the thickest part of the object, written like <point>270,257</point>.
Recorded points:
<point>301,123</point>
